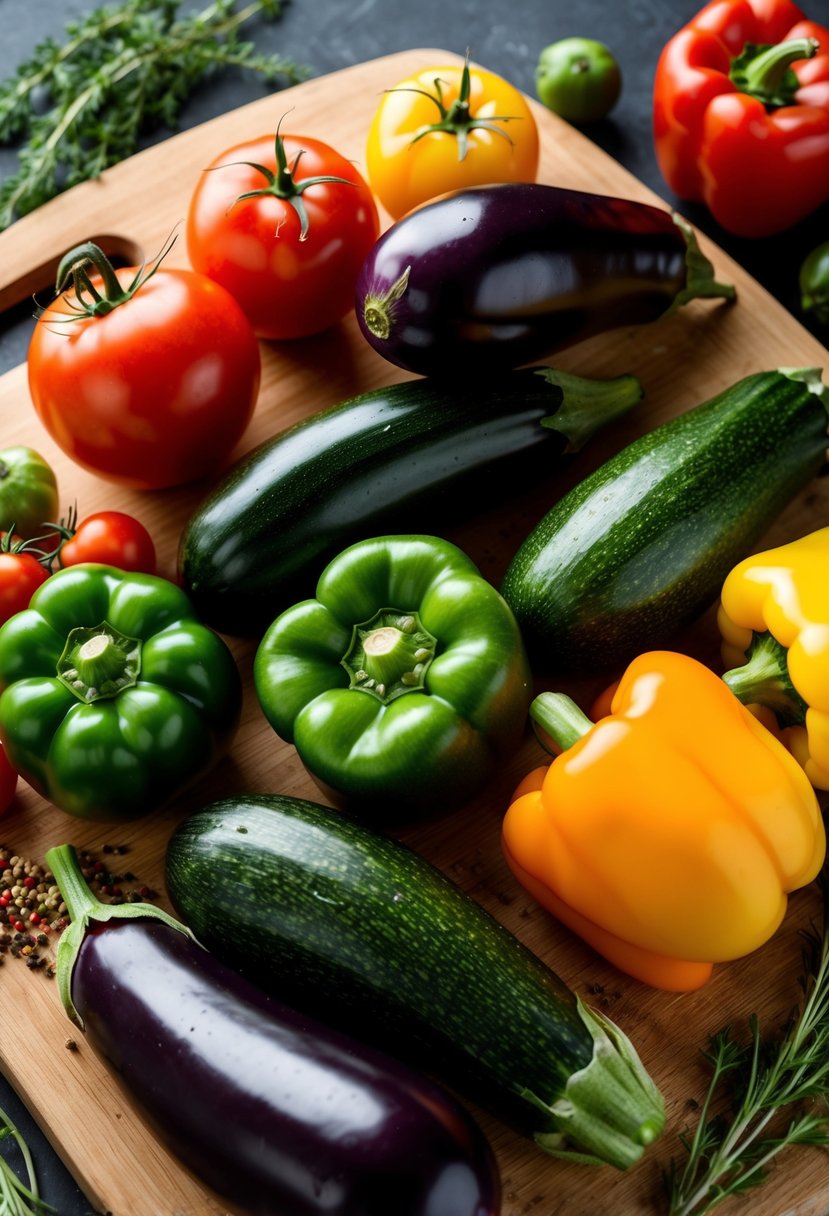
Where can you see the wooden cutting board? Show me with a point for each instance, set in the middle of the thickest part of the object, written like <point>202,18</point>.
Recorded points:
<point>681,361</point>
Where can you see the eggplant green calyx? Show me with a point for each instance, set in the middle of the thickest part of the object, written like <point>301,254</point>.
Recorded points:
<point>700,281</point>
<point>588,405</point>
<point>558,716</point>
<point>611,1109</point>
<point>283,183</point>
<point>389,655</point>
<point>99,662</point>
<point>458,119</point>
<point>764,680</point>
<point>88,300</point>
<point>83,906</point>
<point>764,71</point>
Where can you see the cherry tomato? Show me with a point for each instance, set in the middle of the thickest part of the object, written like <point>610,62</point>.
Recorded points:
<point>149,377</point>
<point>578,79</point>
<point>20,576</point>
<point>8,781</point>
<point>447,128</point>
<point>284,223</point>
<point>28,491</point>
<point>814,284</point>
<point>112,538</point>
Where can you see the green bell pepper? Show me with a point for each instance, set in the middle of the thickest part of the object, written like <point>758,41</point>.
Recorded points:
<point>114,696</point>
<point>403,683</point>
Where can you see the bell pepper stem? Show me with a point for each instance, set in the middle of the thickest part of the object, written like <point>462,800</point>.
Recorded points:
<point>611,1107</point>
<point>588,405</point>
<point>764,680</point>
<point>765,72</point>
<point>84,906</point>
<point>558,716</point>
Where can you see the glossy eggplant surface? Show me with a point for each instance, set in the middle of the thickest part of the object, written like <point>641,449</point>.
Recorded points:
<point>494,277</point>
<point>276,1112</point>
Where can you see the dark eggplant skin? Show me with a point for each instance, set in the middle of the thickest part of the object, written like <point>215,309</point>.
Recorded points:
<point>498,276</point>
<point>405,457</point>
<point>277,1113</point>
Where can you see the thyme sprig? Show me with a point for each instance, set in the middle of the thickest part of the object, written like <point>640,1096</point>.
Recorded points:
<point>16,1198</point>
<point>778,1088</point>
<point>124,70</point>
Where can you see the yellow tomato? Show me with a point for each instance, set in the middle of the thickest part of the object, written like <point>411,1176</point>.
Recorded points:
<point>448,128</point>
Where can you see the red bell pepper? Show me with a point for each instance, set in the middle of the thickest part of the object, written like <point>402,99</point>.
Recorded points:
<point>741,114</point>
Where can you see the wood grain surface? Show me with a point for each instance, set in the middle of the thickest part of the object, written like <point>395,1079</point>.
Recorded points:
<point>681,360</point>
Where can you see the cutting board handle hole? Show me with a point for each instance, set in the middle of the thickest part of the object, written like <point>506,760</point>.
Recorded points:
<point>19,300</point>
<point>38,284</point>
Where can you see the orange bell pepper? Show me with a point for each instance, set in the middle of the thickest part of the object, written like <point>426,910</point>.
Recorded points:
<point>774,621</point>
<point>669,833</point>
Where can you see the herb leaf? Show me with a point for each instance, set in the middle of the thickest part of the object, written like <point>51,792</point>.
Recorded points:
<point>774,1091</point>
<point>123,70</point>
<point>16,1198</point>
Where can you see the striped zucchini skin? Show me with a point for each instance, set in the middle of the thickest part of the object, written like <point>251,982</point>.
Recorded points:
<point>402,458</point>
<point>641,547</point>
<point>356,927</point>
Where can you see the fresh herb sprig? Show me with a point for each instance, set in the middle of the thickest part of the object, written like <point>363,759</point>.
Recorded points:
<point>16,1198</point>
<point>779,1093</point>
<point>125,69</point>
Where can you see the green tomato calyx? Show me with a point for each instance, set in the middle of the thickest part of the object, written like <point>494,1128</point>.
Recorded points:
<point>458,119</point>
<point>283,183</point>
<point>389,655</point>
<point>97,298</point>
<point>99,662</point>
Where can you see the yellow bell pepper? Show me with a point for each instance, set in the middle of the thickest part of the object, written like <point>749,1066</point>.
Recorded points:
<point>669,833</point>
<point>774,612</point>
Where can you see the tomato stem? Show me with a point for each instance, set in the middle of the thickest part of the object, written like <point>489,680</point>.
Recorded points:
<point>458,119</point>
<point>88,300</point>
<point>283,183</point>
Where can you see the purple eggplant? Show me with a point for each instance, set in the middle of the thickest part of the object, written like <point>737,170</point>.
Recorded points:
<point>494,277</point>
<point>276,1112</point>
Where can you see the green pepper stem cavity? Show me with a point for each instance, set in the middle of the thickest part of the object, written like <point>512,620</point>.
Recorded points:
<point>389,655</point>
<point>99,662</point>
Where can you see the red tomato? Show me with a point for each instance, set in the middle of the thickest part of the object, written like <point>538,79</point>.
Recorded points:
<point>112,538</point>
<point>289,282</point>
<point>157,390</point>
<point>8,781</point>
<point>20,576</point>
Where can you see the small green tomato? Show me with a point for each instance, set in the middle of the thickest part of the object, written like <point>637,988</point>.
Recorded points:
<point>578,79</point>
<point>814,284</point>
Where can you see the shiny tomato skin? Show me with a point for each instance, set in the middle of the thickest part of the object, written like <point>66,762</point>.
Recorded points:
<point>155,393</point>
<point>404,173</point>
<point>20,576</point>
<point>288,286</point>
<point>113,539</point>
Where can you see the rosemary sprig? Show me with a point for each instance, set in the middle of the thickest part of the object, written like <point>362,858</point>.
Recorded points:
<point>16,1198</point>
<point>124,70</point>
<point>778,1089</point>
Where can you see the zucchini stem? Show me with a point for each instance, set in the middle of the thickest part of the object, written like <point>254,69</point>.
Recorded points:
<point>611,1108</point>
<point>587,405</point>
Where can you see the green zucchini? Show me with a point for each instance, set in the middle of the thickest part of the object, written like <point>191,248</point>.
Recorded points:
<point>410,457</point>
<point>342,921</point>
<point>642,546</point>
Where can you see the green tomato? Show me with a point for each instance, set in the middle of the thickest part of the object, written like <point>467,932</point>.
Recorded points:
<point>578,79</point>
<point>814,284</point>
<point>28,492</point>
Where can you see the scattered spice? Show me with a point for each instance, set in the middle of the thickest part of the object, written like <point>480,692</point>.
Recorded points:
<point>32,911</point>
